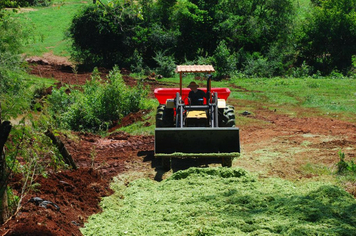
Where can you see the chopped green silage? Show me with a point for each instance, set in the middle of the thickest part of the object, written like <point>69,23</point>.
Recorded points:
<point>224,201</point>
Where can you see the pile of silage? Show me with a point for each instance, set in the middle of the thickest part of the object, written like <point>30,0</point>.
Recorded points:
<point>224,201</point>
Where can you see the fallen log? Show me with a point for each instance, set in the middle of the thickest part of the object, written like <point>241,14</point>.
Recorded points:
<point>62,149</point>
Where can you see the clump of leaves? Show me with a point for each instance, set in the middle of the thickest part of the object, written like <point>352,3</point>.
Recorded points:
<point>345,166</point>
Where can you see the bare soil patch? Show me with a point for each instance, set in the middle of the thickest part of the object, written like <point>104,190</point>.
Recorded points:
<point>59,68</point>
<point>275,145</point>
<point>77,193</point>
<point>283,146</point>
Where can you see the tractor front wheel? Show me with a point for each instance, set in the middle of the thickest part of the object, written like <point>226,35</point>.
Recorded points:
<point>166,163</point>
<point>164,117</point>
<point>227,161</point>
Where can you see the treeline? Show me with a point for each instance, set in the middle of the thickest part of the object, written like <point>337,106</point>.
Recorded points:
<point>255,38</point>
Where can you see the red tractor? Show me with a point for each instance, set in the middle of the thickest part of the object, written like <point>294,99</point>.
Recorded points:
<point>204,130</point>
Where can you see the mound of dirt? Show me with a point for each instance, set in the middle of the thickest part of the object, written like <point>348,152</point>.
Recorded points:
<point>77,193</point>
<point>75,196</point>
<point>59,68</point>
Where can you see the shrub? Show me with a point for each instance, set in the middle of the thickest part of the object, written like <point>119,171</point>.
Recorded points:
<point>100,103</point>
<point>345,166</point>
<point>13,91</point>
<point>104,37</point>
<point>166,64</point>
<point>224,61</point>
<point>257,65</point>
<point>11,34</point>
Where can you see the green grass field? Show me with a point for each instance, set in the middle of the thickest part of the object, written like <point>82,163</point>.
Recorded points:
<point>329,95</point>
<point>49,26</point>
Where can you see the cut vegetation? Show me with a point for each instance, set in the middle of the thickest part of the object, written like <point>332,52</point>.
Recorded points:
<point>222,201</point>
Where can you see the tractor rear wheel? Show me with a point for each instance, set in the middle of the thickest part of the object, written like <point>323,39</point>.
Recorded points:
<point>227,116</point>
<point>164,117</point>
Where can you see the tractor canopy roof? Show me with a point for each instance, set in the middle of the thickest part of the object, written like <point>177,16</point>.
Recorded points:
<point>194,69</point>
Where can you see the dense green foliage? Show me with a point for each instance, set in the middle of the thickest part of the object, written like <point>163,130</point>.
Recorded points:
<point>223,201</point>
<point>258,38</point>
<point>11,35</point>
<point>14,93</point>
<point>100,103</point>
<point>161,33</point>
<point>328,41</point>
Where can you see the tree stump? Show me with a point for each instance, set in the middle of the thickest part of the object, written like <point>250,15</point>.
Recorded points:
<point>62,149</point>
<point>5,128</point>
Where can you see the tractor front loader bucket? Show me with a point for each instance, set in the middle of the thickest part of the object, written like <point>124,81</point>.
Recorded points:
<point>197,142</point>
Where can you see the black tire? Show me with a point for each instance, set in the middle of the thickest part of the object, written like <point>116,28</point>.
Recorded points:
<point>226,161</point>
<point>166,163</point>
<point>164,117</point>
<point>227,116</point>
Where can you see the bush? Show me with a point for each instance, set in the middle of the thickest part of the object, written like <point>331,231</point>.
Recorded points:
<point>166,64</point>
<point>13,91</point>
<point>100,103</point>
<point>345,166</point>
<point>224,62</point>
<point>104,37</point>
<point>257,65</point>
<point>11,35</point>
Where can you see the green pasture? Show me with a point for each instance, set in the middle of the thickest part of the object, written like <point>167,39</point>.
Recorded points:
<point>49,25</point>
<point>223,201</point>
<point>329,95</point>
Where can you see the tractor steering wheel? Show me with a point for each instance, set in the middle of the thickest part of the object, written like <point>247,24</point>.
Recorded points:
<point>187,98</point>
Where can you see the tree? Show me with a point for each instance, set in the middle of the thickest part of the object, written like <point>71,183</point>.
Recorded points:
<point>102,35</point>
<point>328,40</point>
<point>121,31</point>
